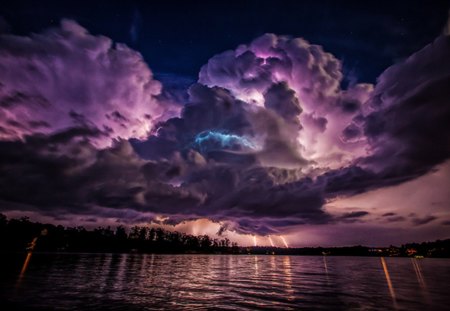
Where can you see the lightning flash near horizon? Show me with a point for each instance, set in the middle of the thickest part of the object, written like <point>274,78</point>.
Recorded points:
<point>284,241</point>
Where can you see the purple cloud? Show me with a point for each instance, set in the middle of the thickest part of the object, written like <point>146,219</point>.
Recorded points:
<point>67,77</point>
<point>408,126</point>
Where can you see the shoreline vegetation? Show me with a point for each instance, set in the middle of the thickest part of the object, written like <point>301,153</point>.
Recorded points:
<point>20,235</point>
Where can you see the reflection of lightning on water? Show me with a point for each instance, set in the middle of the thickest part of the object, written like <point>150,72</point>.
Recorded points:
<point>254,240</point>
<point>418,273</point>
<point>325,265</point>
<point>420,279</point>
<point>271,242</point>
<point>288,278</point>
<point>284,241</point>
<point>389,283</point>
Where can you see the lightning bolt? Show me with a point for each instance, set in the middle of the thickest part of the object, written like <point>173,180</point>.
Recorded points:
<point>284,241</point>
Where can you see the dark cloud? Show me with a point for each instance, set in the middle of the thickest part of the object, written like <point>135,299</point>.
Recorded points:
<point>352,217</point>
<point>409,129</point>
<point>423,220</point>
<point>389,214</point>
<point>395,219</point>
<point>351,132</point>
<point>281,99</point>
<point>175,88</point>
<point>65,172</point>
<point>350,106</point>
<point>357,214</point>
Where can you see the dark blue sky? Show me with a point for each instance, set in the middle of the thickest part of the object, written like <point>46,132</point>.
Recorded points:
<point>178,37</point>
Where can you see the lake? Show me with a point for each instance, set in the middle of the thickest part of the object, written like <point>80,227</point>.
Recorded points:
<point>222,282</point>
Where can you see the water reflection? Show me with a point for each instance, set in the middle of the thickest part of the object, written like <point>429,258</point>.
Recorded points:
<point>24,268</point>
<point>420,279</point>
<point>25,264</point>
<point>133,281</point>
<point>325,265</point>
<point>389,282</point>
<point>256,265</point>
<point>273,264</point>
<point>288,277</point>
<point>418,273</point>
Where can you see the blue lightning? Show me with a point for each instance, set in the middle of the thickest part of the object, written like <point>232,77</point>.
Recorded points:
<point>216,140</point>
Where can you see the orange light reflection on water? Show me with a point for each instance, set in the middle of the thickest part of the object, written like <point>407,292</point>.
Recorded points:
<point>389,282</point>
<point>24,269</point>
<point>25,264</point>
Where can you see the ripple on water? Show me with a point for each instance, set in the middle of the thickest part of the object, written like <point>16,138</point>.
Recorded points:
<point>221,282</point>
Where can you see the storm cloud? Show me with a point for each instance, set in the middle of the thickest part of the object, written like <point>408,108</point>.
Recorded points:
<point>408,128</point>
<point>267,135</point>
<point>66,77</point>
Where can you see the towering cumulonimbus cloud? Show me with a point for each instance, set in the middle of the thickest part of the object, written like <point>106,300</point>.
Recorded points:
<point>67,77</point>
<point>280,183</point>
<point>266,138</point>
<point>260,72</point>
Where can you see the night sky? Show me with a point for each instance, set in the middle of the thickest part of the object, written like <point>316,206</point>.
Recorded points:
<point>323,122</point>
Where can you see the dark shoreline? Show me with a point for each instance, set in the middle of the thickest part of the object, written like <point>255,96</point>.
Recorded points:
<point>22,235</point>
<point>357,251</point>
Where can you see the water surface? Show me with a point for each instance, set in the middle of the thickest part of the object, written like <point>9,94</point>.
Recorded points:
<point>222,282</point>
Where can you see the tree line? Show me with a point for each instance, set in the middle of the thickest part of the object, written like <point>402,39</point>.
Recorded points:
<point>17,234</point>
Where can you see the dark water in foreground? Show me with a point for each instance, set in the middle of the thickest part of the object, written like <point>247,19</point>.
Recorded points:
<point>222,282</point>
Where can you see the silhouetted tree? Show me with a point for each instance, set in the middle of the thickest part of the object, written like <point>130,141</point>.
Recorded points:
<point>16,235</point>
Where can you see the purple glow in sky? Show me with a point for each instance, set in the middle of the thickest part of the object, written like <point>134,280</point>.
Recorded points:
<point>86,136</point>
